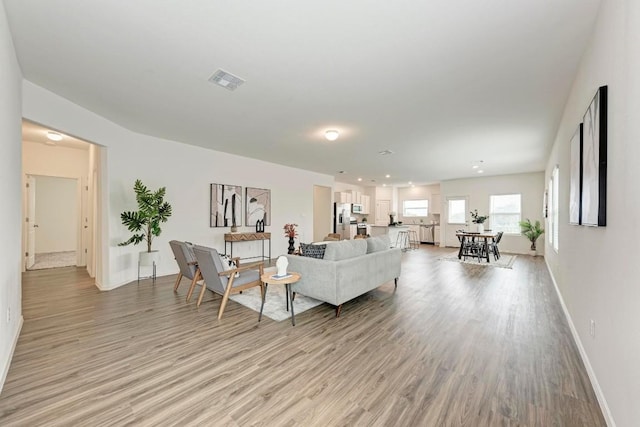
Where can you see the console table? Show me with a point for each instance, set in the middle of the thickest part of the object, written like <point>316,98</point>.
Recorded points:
<point>232,238</point>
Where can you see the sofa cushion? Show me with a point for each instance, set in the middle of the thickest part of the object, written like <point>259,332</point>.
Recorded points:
<point>312,251</point>
<point>378,243</point>
<point>345,249</point>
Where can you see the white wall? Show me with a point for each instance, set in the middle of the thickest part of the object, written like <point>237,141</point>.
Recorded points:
<point>47,160</point>
<point>186,171</point>
<point>529,185</point>
<point>56,214</point>
<point>10,192</point>
<point>597,269</point>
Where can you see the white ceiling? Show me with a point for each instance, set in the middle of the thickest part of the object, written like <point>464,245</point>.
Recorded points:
<point>442,83</point>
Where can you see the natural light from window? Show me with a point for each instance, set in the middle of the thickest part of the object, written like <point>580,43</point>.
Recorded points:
<point>505,213</point>
<point>415,208</point>
<point>457,211</point>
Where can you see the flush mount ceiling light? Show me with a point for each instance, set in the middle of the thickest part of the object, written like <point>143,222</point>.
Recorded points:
<point>359,179</point>
<point>387,176</point>
<point>331,135</point>
<point>480,171</point>
<point>54,136</point>
<point>226,80</point>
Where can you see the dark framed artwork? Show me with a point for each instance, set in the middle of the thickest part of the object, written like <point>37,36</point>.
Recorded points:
<point>226,206</point>
<point>594,161</point>
<point>575,184</point>
<point>258,205</point>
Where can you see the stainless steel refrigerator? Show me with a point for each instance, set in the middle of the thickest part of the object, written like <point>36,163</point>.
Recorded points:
<point>342,219</point>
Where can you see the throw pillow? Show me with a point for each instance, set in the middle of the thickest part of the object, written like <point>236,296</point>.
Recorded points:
<point>312,251</point>
<point>228,263</point>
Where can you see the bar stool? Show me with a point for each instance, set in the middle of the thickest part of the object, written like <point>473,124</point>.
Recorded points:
<point>402,241</point>
<point>414,243</point>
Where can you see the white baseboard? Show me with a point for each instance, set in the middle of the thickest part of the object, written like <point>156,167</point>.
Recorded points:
<point>5,369</point>
<point>583,354</point>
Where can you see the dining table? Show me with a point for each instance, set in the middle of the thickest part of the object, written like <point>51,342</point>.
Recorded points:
<point>465,236</point>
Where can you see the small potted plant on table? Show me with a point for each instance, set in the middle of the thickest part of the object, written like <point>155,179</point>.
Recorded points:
<point>478,220</point>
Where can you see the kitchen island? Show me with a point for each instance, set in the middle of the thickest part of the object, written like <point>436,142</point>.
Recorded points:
<point>391,230</point>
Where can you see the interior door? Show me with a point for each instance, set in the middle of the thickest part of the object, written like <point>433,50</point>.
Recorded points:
<point>382,212</point>
<point>31,221</point>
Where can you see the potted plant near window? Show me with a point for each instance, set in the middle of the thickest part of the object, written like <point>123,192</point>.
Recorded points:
<point>531,232</point>
<point>478,220</point>
<point>145,222</point>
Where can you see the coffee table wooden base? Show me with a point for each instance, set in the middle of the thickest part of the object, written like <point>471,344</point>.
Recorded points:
<point>267,279</point>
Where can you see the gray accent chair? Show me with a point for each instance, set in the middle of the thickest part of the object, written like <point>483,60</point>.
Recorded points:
<point>186,259</point>
<point>224,281</point>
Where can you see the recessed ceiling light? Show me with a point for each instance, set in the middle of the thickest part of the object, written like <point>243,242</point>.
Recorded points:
<point>384,185</point>
<point>359,179</point>
<point>475,166</point>
<point>480,171</point>
<point>410,182</point>
<point>54,136</point>
<point>331,134</point>
<point>387,176</point>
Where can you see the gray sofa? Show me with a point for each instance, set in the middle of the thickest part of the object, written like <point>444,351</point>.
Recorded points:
<point>349,268</point>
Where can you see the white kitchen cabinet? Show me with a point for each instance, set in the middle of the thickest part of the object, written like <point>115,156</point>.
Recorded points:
<point>365,201</point>
<point>342,197</point>
<point>435,204</point>
<point>436,235</point>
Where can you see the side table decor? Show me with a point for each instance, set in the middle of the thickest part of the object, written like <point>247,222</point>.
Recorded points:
<point>291,232</point>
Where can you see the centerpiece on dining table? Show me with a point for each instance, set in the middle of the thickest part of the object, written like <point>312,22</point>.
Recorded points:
<point>478,220</point>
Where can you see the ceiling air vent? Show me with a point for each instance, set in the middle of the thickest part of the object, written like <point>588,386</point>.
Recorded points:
<point>385,152</point>
<point>226,80</point>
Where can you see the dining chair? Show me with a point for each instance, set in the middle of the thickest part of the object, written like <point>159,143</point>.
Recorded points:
<point>493,245</point>
<point>187,263</point>
<point>222,280</point>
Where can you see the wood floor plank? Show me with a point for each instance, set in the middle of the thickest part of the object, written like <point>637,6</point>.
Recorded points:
<point>453,345</point>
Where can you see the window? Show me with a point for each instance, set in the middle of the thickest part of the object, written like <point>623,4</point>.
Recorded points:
<point>552,205</point>
<point>505,213</point>
<point>415,208</point>
<point>457,211</point>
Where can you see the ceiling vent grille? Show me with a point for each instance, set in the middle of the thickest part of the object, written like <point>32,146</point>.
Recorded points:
<point>226,80</point>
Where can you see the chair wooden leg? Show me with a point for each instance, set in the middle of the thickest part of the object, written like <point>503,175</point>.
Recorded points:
<point>175,287</point>
<point>225,297</point>
<point>338,310</point>
<point>201,296</point>
<point>196,277</point>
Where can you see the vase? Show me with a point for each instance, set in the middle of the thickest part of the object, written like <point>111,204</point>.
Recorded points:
<point>480,228</point>
<point>291,247</point>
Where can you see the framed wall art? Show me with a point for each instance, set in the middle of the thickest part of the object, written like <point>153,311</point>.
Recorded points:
<point>258,205</point>
<point>594,161</point>
<point>226,206</point>
<point>575,183</point>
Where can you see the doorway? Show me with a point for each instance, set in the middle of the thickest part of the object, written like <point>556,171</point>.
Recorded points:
<point>53,235</point>
<point>322,212</point>
<point>61,194</point>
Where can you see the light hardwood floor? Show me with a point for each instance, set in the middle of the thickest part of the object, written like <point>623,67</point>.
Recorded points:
<point>453,345</point>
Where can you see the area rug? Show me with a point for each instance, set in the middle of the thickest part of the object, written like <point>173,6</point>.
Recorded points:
<point>275,306</point>
<point>53,260</point>
<point>505,261</point>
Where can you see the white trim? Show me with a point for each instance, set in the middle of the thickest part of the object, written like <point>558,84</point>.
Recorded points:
<point>5,370</point>
<point>583,354</point>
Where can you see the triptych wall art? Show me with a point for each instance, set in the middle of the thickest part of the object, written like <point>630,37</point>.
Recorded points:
<point>588,166</point>
<point>226,206</point>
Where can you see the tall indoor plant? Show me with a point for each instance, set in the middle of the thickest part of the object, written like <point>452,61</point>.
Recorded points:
<point>531,231</point>
<point>145,222</point>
